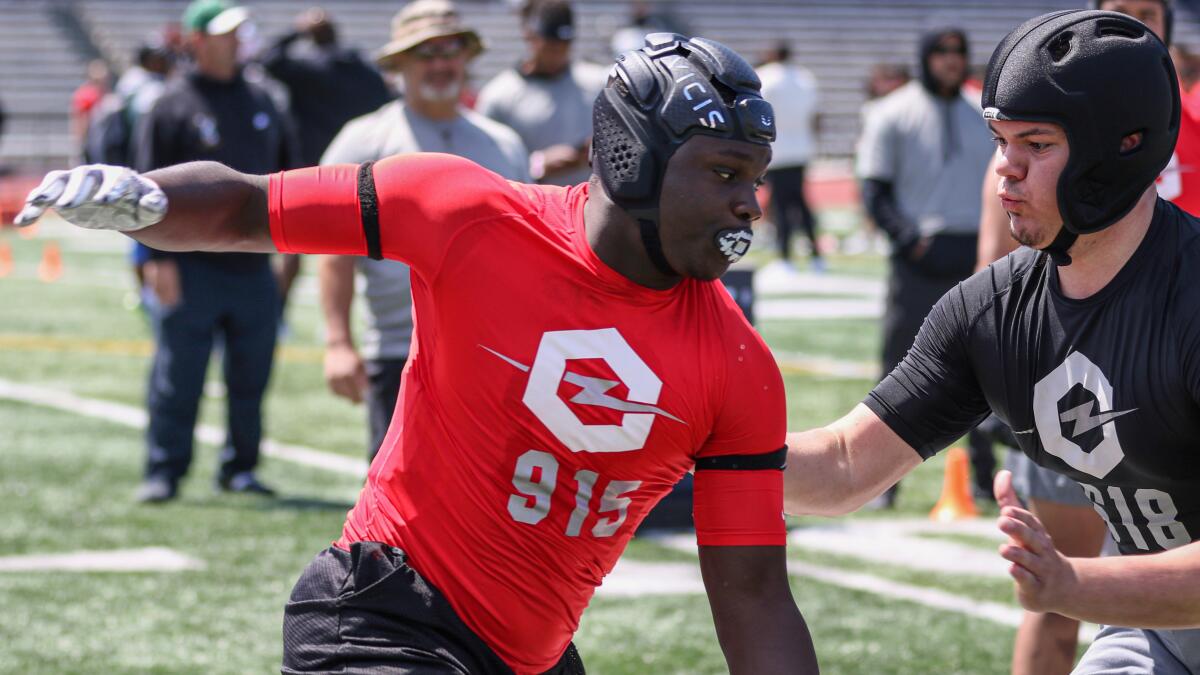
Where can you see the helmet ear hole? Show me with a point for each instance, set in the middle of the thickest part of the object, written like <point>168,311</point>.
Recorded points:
<point>1131,143</point>
<point>1060,46</point>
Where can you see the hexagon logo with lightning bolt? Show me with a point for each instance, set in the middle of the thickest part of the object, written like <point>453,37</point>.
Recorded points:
<point>550,368</point>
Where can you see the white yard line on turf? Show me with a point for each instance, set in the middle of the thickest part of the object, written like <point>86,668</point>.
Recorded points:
<point>1002,614</point>
<point>154,559</point>
<point>136,418</point>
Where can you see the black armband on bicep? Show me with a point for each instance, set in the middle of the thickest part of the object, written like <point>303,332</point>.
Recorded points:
<point>776,460</point>
<point>368,206</point>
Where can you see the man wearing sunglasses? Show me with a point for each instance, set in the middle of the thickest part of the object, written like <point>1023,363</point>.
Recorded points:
<point>922,154</point>
<point>429,53</point>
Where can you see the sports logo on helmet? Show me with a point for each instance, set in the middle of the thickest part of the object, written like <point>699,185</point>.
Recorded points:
<point>695,92</point>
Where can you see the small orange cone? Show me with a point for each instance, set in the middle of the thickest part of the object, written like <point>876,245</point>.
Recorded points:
<point>6,263</point>
<point>956,502</point>
<point>51,267</point>
<point>28,232</point>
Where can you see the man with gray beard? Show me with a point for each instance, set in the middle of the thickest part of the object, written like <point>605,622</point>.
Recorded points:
<point>429,53</point>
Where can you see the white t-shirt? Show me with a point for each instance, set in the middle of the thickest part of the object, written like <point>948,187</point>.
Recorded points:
<point>546,111</point>
<point>792,91</point>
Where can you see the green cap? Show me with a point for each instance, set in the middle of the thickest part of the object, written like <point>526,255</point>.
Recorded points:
<point>214,17</point>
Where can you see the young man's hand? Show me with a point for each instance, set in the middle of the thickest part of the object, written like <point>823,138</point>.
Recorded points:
<point>345,373</point>
<point>1043,576</point>
<point>97,197</point>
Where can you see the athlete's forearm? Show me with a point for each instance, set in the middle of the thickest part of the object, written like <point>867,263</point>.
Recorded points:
<point>838,468</point>
<point>1160,590</point>
<point>211,207</point>
<point>758,625</point>
<point>817,479</point>
<point>336,273</point>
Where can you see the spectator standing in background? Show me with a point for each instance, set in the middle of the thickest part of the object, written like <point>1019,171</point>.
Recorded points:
<point>429,51</point>
<point>110,135</point>
<point>85,99</point>
<point>328,84</point>
<point>793,92</point>
<point>211,113</point>
<point>547,98</point>
<point>921,159</point>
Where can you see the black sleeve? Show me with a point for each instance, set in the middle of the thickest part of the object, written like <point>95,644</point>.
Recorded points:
<point>281,66</point>
<point>880,202</point>
<point>933,397</point>
<point>289,143</point>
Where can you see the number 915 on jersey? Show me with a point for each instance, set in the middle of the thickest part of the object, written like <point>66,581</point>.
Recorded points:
<point>536,478</point>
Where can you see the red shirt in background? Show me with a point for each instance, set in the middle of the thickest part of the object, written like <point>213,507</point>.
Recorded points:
<point>1180,181</point>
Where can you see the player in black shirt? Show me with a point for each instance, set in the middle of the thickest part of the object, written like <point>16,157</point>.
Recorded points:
<point>1089,347</point>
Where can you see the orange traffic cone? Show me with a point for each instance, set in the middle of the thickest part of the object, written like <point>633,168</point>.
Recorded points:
<point>6,264</point>
<point>956,502</point>
<point>51,267</point>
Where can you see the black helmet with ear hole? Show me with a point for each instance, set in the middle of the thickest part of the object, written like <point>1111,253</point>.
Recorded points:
<point>1102,77</point>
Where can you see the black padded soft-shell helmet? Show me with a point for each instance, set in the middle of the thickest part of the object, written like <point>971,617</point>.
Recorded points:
<point>1101,76</point>
<point>657,98</point>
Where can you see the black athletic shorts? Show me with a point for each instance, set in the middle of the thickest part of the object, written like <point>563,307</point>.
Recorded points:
<point>366,611</point>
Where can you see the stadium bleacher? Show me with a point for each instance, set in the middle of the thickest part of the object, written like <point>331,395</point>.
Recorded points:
<point>839,41</point>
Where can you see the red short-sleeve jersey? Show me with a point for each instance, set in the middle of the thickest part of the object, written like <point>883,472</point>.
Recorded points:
<point>548,402</point>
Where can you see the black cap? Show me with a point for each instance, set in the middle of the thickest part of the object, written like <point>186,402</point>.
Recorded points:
<point>552,20</point>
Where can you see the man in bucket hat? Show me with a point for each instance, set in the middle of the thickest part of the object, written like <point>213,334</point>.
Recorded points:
<point>429,53</point>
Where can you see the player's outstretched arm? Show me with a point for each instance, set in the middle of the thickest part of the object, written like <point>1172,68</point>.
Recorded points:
<point>199,206</point>
<point>758,625</point>
<point>836,469</point>
<point>1160,590</point>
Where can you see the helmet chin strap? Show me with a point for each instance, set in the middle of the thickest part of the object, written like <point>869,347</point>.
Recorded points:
<point>1059,247</point>
<point>653,246</point>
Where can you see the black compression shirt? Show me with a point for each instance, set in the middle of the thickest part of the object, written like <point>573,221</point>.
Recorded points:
<point>1104,389</point>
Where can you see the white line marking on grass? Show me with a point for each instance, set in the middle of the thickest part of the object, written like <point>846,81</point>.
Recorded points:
<point>154,559</point>
<point>894,543</point>
<point>635,578</point>
<point>136,418</point>
<point>817,308</point>
<point>1002,614</point>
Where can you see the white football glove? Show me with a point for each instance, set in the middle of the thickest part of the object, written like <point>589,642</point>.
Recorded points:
<point>97,197</point>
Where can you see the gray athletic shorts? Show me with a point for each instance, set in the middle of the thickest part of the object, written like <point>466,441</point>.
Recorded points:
<point>1137,651</point>
<point>1034,482</point>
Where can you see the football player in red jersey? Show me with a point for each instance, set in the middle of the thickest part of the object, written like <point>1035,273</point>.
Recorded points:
<point>575,355</point>
<point>1046,642</point>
